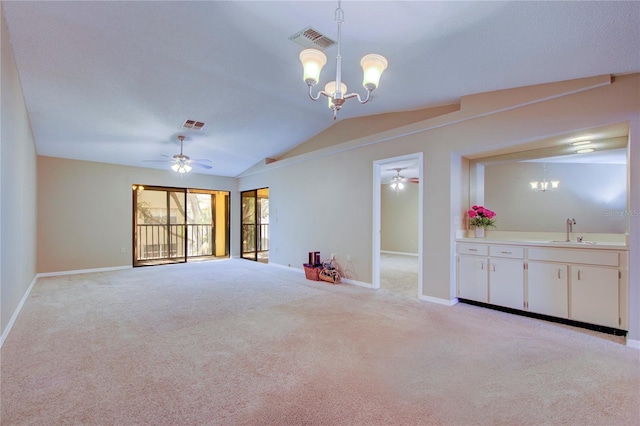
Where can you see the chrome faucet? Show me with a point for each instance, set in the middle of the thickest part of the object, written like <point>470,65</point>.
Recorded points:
<point>570,223</point>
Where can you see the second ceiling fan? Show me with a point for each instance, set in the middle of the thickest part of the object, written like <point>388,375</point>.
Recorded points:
<point>183,163</point>
<point>398,182</point>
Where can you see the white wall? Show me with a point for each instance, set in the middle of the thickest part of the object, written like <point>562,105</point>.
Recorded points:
<point>399,219</point>
<point>18,191</point>
<point>594,194</point>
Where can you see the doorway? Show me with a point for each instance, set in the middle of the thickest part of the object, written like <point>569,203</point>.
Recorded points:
<point>398,224</point>
<point>175,225</point>
<point>255,225</point>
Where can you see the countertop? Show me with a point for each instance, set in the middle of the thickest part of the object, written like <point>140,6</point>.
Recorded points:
<point>604,245</point>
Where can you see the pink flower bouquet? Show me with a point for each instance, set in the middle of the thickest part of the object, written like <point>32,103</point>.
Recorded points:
<point>481,217</point>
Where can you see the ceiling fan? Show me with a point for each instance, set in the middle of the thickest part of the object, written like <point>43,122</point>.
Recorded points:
<point>398,182</point>
<point>182,163</point>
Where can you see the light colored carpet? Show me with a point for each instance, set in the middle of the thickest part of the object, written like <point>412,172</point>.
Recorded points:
<point>399,274</point>
<point>238,342</point>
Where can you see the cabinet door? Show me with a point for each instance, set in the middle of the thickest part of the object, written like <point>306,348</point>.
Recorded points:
<point>594,295</point>
<point>547,289</point>
<point>506,283</point>
<point>473,278</point>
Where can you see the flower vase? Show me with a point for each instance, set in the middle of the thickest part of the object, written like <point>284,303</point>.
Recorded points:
<point>479,232</point>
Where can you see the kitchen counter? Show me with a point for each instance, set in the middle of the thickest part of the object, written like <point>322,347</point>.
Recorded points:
<point>600,245</point>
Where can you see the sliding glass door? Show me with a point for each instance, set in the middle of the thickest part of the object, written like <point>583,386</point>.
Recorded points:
<point>172,225</point>
<point>159,225</point>
<point>255,225</point>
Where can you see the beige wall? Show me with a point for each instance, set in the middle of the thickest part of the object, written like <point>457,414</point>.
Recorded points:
<point>323,200</point>
<point>399,219</point>
<point>18,191</point>
<point>85,211</point>
<point>343,131</point>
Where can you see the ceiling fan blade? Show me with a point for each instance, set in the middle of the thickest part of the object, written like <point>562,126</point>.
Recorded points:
<point>157,161</point>
<point>201,160</point>
<point>414,180</point>
<point>204,166</point>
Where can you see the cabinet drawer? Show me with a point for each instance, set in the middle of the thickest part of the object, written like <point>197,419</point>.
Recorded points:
<point>475,249</point>
<point>584,256</point>
<point>506,251</point>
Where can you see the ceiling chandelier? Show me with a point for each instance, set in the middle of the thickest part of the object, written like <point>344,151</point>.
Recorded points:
<point>336,91</point>
<point>544,185</point>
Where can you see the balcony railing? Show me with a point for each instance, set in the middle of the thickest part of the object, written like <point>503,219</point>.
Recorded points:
<point>263,237</point>
<point>161,241</point>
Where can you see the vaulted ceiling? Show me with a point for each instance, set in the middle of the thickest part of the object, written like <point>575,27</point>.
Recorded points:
<point>115,81</point>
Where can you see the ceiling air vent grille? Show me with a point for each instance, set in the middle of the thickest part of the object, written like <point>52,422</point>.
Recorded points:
<point>309,37</point>
<point>193,124</point>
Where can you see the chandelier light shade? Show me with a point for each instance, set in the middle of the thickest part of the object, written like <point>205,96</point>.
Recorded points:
<point>330,88</point>
<point>372,67</point>
<point>544,185</point>
<point>313,60</point>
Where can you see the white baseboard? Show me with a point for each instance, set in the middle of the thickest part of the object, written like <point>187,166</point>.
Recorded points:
<point>399,253</point>
<point>358,283</point>
<point>6,331</point>
<point>635,344</point>
<point>82,271</point>
<point>439,301</point>
<point>288,268</point>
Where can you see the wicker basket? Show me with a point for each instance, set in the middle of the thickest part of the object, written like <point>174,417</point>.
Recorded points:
<point>312,272</point>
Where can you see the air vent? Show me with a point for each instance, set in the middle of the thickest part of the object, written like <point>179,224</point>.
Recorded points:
<point>193,124</point>
<point>311,38</point>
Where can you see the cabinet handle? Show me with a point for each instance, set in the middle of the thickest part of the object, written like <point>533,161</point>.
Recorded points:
<point>579,275</point>
<point>493,266</point>
<point>473,249</point>
<point>559,273</point>
<point>482,265</point>
<point>505,252</point>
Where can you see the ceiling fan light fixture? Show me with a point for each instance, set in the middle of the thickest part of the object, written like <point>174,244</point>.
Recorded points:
<point>181,168</point>
<point>181,163</point>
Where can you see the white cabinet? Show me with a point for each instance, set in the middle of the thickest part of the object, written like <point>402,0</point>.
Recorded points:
<point>595,295</point>
<point>498,279</point>
<point>582,284</point>
<point>473,278</point>
<point>506,282</point>
<point>506,276</point>
<point>548,289</point>
<point>587,284</point>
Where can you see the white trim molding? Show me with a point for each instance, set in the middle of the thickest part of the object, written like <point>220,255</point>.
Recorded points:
<point>399,253</point>
<point>288,268</point>
<point>82,271</point>
<point>17,311</point>
<point>439,301</point>
<point>358,283</point>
